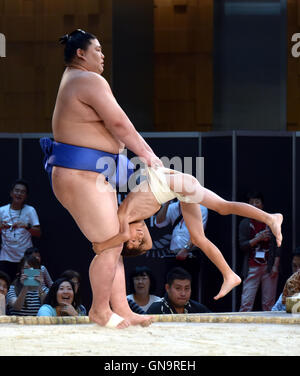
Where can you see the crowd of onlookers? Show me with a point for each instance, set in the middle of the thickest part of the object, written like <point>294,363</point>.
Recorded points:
<point>26,286</point>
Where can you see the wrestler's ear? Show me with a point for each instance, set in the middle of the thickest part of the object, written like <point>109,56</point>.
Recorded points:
<point>80,53</point>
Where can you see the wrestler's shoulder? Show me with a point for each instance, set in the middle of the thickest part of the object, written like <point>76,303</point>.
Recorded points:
<point>90,78</point>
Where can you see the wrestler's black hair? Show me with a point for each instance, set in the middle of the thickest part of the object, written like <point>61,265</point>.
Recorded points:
<point>77,39</point>
<point>141,271</point>
<point>178,273</point>
<point>51,298</point>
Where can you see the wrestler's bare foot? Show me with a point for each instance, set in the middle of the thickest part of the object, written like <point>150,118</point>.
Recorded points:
<point>104,318</point>
<point>136,319</point>
<point>229,283</point>
<point>275,227</point>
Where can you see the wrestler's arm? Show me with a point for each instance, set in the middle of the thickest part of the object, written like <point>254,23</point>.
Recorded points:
<point>96,92</point>
<point>116,240</point>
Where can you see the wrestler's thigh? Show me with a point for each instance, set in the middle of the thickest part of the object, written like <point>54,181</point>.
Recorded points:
<point>193,218</point>
<point>89,200</point>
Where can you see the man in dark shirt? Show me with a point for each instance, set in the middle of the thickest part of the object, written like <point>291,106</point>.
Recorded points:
<point>177,297</point>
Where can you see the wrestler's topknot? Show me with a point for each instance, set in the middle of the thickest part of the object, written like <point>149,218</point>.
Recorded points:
<point>63,39</point>
<point>76,39</point>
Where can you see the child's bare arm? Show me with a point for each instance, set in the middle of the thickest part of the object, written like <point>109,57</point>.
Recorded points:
<point>121,237</point>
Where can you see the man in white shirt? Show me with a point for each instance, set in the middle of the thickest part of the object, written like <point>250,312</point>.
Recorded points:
<point>170,213</point>
<point>18,223</point>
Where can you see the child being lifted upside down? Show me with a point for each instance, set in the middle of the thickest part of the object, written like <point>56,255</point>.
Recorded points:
<point>163,184</point>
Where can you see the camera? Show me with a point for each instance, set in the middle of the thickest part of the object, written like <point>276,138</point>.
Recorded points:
<point>30,280</point>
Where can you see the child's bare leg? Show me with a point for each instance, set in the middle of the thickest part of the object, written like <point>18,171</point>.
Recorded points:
<point>193,220</point>
<point>223,207</point>
<point>189,186</point>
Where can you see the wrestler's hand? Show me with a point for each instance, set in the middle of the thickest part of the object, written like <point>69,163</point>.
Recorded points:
<point>150,159</point>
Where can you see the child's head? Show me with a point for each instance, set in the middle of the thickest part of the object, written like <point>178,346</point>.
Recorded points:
<point>134,246</point>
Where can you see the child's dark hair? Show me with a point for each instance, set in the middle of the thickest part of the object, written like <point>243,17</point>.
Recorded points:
<point>178,273</point>
<point>132,252</point>
<point>141,271</point>
<point>77,39</point>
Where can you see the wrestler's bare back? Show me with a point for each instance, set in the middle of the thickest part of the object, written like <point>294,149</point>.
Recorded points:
<point>75,121</point>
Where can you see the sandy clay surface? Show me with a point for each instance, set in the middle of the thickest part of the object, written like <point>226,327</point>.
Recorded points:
<point>185,339</point>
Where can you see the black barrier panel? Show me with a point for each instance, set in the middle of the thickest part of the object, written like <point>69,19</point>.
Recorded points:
<point>170,147</point>
<point>217,153</point>
<point>9,155</point>
<point>62,244</point>
<point>265,164</point>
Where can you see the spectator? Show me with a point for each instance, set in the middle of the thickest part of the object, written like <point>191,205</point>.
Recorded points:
<point>291,287</point>
<point>135,307</point>
<point>142,286</point>
<point>170,213</point>
<point>18,223</point>
<point>47,280</point>
<point>261,259</point>
<point>60,300</point>
<point>4,286</point>
<point>75,277</point>
<point>178,294</point>
<point>279,306</point>
<point>24,300</point>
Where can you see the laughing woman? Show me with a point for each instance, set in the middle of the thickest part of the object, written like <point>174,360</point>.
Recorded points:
<point>60,300</point>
